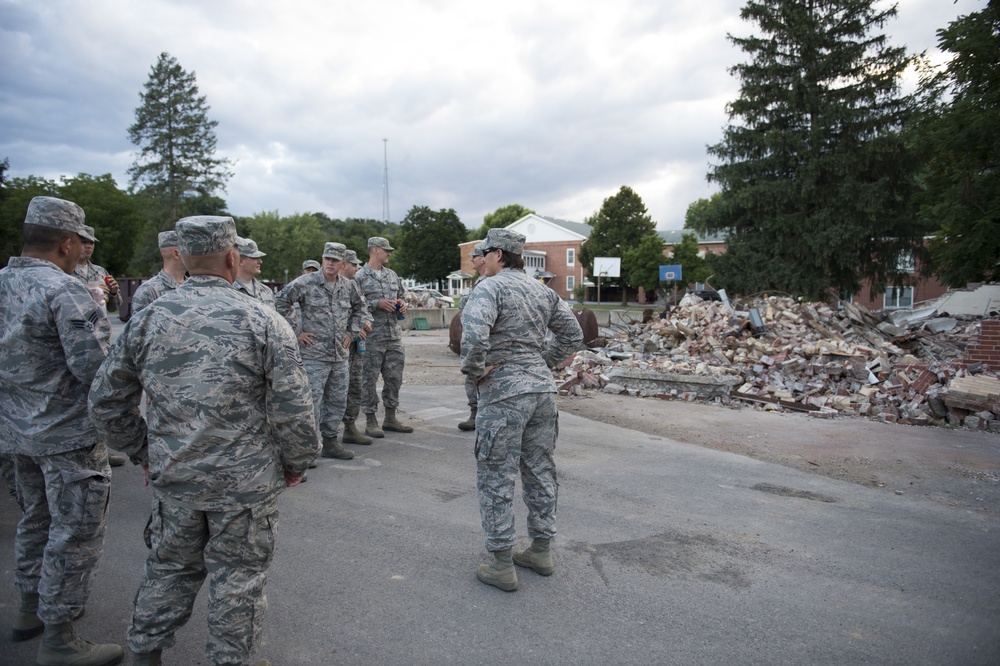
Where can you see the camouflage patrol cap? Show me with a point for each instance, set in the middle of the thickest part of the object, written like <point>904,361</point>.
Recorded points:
<point>378,241</point>
<point>311,263</point>
<point>334,251</point>
<point>479,250</point>
<point>248,248</point>
<point>504,239</point>
<point>352,257</point>
<point>58,214</point>
<point>166,239</point>
<point>91,235</point>
<point>205,234</point>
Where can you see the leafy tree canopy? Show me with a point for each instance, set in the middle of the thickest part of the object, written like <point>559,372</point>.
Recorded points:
<point>501,217</point>
<point>427,244</point>
<point>115,215</point>
<point>288,241</point>
<point>816,181</point>
<point>641,263</point>
<point>621,224</point>
<point>694,268</point>
<point>959,144</point>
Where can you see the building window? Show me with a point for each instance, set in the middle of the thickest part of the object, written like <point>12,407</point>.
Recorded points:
<point>570,256</point>
<point>534,261</point>
<point>905,263</point>
<point>898,297</point>
<point>570,283</point>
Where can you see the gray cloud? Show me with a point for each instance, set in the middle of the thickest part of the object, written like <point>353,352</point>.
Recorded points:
<point>553,105</point>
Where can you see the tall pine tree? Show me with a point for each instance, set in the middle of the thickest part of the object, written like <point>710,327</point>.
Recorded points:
<point>960,145</point>
<point>176,166</point>
<point>815,179</point>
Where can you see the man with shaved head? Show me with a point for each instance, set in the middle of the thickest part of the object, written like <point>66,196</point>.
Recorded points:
<point>229,426</point>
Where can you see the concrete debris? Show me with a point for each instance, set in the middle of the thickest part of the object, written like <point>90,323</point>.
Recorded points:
<point>807,357</point>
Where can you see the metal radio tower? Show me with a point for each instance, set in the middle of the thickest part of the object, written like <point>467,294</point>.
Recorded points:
<point>385,180</point>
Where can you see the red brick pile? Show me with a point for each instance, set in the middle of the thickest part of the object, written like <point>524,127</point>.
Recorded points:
<point>806,357</point>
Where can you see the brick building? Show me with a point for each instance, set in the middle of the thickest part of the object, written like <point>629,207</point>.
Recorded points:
<point>551,253</point>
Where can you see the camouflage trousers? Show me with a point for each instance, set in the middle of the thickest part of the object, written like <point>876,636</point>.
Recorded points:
<point>382,358</point>
<point>60,537</point>
<point>328,383</point>
<point>471,391</point>
<point>356,371</point>
<point>233,549</point>
<point>519,432</point>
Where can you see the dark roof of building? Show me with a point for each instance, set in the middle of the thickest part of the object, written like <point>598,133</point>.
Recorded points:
<point>576,227</point>
<point>673,236</point>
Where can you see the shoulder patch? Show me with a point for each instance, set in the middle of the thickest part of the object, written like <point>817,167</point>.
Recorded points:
<point>88,324</point>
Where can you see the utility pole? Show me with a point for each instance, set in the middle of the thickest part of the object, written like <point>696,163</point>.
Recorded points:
<point>385,180</point>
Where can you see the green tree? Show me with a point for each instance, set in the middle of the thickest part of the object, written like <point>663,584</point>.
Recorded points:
<point>176,162</point>
<point>502,217</point>
<point>816,181</point>
<point>288,241</point>
<point>641,263</point>
<point>620,225</point>
<point>10,226</point>
<point>115,214</point>
<point>427,244</point>
<point>699,215</point>
<point>958,140</point>
<point>694,268</point>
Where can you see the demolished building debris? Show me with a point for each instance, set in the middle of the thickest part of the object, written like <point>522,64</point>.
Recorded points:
<point>807,357</point>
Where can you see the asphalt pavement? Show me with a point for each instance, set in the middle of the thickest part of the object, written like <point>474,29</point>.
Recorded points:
<point>667,553</point>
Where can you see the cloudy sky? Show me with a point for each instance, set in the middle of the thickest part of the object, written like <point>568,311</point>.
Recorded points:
<point>551,104</point>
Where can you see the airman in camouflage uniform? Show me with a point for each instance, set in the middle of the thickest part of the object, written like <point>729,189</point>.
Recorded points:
<point>383,293</point>
<point>356,364</point>
<point>169,277</point>
<point>332,314</point>
<point>470,387</point>
<point>230,425</point>
<point>504,326</point>
<point>249,269</point>
<point>87,272</point>
<point>53,339</point>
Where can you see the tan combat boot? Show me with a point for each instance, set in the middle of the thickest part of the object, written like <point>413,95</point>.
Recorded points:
<point>62,647</point>
<point>371,426</point>
<point>352,436</point>
<point>333,449</point>
<point>499,573</point>
<point>390,422</point>
<point>537,557</point>
<point>26,622</point>
<point>469,423</point>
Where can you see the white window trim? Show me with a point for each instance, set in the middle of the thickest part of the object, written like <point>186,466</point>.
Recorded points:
<point>896,300</point>
<point>570,256</point>
<point>570,283</point>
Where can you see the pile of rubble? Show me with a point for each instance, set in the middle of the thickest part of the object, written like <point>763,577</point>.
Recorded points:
<point>427,298</point>
<point>809,357</point>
